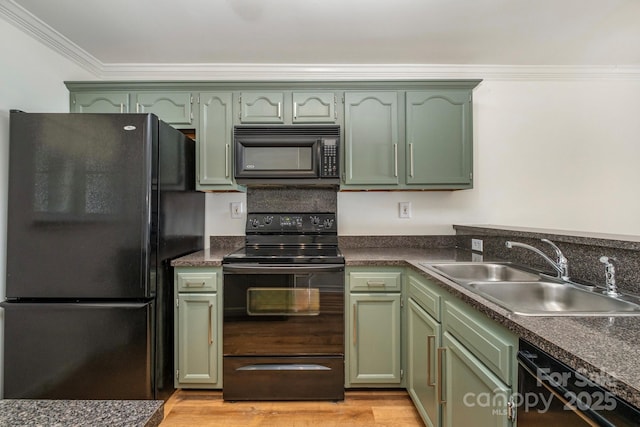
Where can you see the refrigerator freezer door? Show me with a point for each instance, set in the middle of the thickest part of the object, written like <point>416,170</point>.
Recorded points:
<point>80,205</point>
<point>78,351</point>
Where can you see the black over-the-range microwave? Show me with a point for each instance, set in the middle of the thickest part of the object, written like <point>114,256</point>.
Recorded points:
<point>282,154</point>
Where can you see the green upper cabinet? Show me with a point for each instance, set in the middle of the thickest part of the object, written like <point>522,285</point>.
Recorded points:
<point>215,154</point>
<point>439,138</point>
<point>100,102</point>
<point>262,107</point>
<point>171,107</point>
<point>371,138</point>
<point>314,107</point>
<point>286,107</point>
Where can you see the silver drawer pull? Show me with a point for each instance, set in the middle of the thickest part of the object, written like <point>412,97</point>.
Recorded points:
<point>284,367</point>
<point>195,284</point>
<point>375,283</point>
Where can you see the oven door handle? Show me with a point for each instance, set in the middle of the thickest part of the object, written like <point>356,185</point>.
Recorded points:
<point>280,269</point>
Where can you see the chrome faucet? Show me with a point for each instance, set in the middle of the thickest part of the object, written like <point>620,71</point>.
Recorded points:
<point>561,265</point>
<point>610,276</point>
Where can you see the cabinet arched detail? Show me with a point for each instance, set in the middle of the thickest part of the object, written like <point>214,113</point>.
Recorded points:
<point>107,102</point>
<point>261,107</point>
<point>174,108</point>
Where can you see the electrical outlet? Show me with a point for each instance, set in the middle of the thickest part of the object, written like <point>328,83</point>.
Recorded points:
<point>405,209</point>
<point>476,257</point>
<point>236,209</point>
<point>476,245</point>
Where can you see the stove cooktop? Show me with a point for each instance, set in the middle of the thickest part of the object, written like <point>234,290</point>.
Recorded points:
<point>289,238</point>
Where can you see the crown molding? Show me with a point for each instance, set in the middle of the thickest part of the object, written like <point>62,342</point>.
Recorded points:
<point>362,72</point>
<point>34,27</point>
<point>39,30</point>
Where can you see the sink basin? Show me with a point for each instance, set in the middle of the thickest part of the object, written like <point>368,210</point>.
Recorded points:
<point>526,292</point>
<point>542,298</point>
<point>483,272</point>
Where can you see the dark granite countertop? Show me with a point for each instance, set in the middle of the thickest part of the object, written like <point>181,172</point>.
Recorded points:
<point>130,413</point>
<point>204,258</point>
<point>603,348</point>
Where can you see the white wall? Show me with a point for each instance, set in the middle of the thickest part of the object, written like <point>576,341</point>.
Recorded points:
<point>31,77</point>
<point>551,154</point>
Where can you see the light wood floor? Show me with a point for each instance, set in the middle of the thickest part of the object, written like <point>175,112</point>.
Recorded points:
<point>391,408</point>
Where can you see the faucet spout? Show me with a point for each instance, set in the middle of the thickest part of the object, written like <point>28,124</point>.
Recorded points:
<point>561,266</point>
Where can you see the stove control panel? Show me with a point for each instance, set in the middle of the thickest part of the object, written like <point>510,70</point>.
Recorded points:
<point>291,222</point>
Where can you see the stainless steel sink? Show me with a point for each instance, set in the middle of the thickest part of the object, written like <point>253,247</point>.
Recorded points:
<point>484,272</point>
<point>552,299</point>
<point>528,293</point>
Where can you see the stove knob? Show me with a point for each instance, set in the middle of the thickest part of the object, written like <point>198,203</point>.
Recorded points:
<point>328,223</point>
<point>315,220</point>
<point>268,219</point>
<point>255,222</point>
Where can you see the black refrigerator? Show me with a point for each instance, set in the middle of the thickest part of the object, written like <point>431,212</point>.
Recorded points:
<point>99,205</point>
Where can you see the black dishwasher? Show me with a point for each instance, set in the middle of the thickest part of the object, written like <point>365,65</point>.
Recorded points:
<point>551,394</point>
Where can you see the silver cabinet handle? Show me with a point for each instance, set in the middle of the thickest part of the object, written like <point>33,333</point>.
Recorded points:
<point>226,160</point>
<point>411,160</point>
<point>194,284</point>
<point>439,376</point>
<point>430,339</point>
<point>121,108</point>
<point>355,322</point>
<point>210,329</point>
<point>395,159</point>
<point>375,283</point>
<point>137,107</point>
<point>279,110</point>
<point>295,110</point>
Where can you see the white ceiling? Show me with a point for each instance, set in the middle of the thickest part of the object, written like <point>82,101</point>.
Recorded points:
<point>497,32</point>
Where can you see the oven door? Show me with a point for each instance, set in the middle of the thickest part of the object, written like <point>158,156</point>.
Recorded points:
<point>276,310</point>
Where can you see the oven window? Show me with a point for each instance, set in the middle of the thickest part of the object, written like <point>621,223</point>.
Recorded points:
<point>278,158</point>
<point>283,301</point>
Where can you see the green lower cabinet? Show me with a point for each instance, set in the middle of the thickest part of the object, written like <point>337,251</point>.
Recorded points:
<point>472,394</point>
<point>198,327</point>
<point>197,339</point>
<point>374,340</point>
<point>423,333</point>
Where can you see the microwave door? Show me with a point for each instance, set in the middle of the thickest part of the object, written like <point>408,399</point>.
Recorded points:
<point>277,158</point>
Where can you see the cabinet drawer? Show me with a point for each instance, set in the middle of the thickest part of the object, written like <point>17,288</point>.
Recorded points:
<point>491,343</point>
<point>426,297</point>
<point>197,281</point>
<point>375,281</point>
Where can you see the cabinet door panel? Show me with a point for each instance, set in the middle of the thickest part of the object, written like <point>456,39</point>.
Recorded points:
<point>439,140</point>
<point>311,107</point>
<point>424,338</point>
<point>474,395</point>
<point>262,107</point>
<point>215,139</point>
<point>173,108</point>
<point>197,357</point>
<point>107,102</point>
<point>371,138</point>
<point>375,338</point>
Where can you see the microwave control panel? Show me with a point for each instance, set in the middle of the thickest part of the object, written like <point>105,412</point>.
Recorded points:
<point>329,148</point>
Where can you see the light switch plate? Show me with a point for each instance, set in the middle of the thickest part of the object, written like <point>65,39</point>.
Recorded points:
<point>476,245</point>
<point>405,209</point>
<point>236,210</point>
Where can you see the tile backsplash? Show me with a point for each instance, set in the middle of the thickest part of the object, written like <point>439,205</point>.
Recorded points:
<point>292,199</point>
